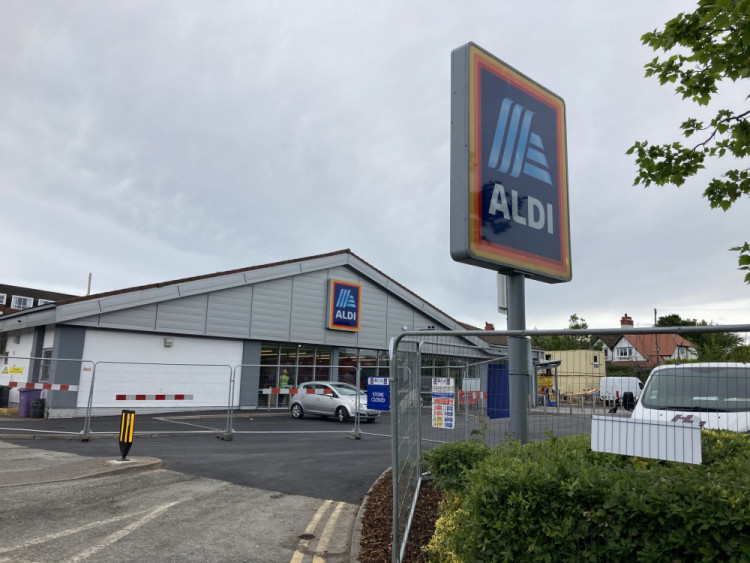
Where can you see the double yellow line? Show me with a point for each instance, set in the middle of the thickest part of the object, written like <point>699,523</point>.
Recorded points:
<point>325,537</point>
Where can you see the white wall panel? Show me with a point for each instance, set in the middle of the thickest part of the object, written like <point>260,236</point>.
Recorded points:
<point>120,356</point>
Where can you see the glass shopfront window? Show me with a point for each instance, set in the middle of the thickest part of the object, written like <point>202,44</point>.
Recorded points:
<point>307,362</point>
<point>269,373</point>
<point>322,362</point>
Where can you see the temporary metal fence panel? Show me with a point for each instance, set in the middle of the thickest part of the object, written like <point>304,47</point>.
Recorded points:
<point>178,398</point>
<point>466,394</point>
<point>29,386</point>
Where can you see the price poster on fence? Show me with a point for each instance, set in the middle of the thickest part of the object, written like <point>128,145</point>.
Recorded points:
<point>443,402</point>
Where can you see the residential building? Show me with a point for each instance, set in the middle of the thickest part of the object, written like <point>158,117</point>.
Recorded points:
<point>15,298</point>
<point>645,350</point>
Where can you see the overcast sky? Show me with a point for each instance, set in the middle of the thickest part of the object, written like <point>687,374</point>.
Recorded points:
<point>150,141</point>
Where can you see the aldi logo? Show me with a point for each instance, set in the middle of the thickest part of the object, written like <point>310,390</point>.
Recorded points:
<point>509,180</point>
<point>345,300</point>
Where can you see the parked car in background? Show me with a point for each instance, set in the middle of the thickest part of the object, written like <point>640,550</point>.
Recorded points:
<point>717,393</point>
<point>331,398</point>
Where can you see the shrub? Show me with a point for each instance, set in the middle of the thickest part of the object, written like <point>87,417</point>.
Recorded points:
<point>556,500</point>
<point>449,464</point>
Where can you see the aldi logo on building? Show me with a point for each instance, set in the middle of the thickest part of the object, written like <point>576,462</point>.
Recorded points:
<point>345,300</point>
<point>509,180</point>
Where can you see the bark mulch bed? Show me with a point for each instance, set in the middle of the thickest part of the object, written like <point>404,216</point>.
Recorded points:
<point>375,546</point>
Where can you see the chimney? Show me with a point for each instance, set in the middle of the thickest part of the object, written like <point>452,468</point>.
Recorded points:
<point>489,326</point>
<point>626,321</point>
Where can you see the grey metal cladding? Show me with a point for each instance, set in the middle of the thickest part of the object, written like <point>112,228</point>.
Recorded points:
<point>77,310</point>
<point>324,263</point>
<point>140,318</point>
<point>309,302</point>
<point>229,312</point>
<point>218,283</point>
<point>422,322</point>
<point>399,315</point>
<point>86,321</point>
<point>272,304</point>
<point>343,273</point>
<point>342,338</point>
<point>373,329</point>
<point>140,297</point>
<point>186,315</point>
<point>272,273</point>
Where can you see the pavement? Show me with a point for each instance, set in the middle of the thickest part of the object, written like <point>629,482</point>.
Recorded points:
<point>21,466</point>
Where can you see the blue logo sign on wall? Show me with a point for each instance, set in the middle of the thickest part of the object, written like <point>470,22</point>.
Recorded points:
<point>345,300</point>
<point>509,179</point>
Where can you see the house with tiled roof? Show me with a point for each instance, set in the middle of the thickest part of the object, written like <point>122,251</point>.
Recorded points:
<point>645,350</point>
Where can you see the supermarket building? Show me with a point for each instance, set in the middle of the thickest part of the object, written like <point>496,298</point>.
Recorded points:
<point>313,316</point>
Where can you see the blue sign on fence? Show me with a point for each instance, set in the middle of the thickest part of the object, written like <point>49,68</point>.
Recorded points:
<point>378,393</point>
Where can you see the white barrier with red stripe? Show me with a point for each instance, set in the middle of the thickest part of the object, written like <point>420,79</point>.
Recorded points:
<point>48,386</point>
<point>292,391</point>
<point>471,397</point>
<point>176,397</point>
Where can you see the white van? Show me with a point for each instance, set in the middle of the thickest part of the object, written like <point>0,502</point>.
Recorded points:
<point>612,389</point>
<point>717,393</point>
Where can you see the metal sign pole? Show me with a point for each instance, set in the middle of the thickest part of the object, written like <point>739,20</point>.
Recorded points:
<point>518,350</point>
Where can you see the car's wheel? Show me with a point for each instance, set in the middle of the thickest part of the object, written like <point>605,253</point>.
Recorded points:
<point>297,411</point>
<point>370,420</point>
<point>342,415</point>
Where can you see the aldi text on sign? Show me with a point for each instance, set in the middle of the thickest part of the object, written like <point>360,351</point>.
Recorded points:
<point>345,300</point>
<point>509,185</point>
<point>443,402</point>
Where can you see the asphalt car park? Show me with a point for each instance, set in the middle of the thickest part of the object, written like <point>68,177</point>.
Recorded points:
<point>315,457</point>
<point>156,514</point>
<point>279,490</point>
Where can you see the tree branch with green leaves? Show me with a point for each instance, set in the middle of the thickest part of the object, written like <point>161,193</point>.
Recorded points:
<point>713,45</point>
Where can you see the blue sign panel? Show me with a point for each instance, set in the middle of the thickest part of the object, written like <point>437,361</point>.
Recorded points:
<point>498,392</point>
<point>378,393</point>
<point>345,301</point>
<point>509,185</point>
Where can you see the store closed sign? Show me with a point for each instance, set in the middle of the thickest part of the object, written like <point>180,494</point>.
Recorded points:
<point>345,300</point>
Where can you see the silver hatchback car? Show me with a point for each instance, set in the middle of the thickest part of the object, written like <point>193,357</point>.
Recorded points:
<point>331,398</point>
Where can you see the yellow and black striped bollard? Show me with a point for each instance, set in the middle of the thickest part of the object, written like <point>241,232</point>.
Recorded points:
<point>126,433</point>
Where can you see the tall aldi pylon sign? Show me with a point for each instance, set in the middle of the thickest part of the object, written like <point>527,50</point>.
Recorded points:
<point>509,179</point>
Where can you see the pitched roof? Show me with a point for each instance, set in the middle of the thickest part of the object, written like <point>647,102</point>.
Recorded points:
<point>93,304</point>
<point>647,344</point>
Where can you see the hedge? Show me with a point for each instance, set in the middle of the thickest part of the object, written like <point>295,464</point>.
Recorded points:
<point>558,500</point>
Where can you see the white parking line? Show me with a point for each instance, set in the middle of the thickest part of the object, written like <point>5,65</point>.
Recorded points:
<point>112,538</point>
<point>69,532</point>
